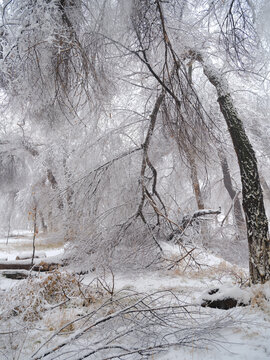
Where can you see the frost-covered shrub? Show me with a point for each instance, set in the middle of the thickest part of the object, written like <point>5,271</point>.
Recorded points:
<point>32,297</point>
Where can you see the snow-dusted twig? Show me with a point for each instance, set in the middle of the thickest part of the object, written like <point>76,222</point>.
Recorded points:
<point>148,325</point>
<point>80,332</point>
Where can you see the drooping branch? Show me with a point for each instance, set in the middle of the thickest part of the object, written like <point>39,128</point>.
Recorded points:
<point>145,160</point>
<point>156,322</point>
<point>188,220</point>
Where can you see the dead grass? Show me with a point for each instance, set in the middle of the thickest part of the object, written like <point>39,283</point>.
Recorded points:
<point>33,297</point>
<point>61,320</point>
<point>260,297</point>
<point>221,272</point>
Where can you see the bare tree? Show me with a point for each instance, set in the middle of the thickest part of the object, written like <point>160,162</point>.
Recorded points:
<point>256,220</point>
<point>257,223</point>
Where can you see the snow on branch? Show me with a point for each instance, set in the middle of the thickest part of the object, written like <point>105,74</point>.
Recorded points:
<point>134,324</point>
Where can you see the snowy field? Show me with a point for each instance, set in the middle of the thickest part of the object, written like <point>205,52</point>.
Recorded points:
<point>21,242</point>
<point>99,314</point>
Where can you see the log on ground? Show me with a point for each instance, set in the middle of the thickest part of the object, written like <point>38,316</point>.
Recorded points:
<point>26,265</point>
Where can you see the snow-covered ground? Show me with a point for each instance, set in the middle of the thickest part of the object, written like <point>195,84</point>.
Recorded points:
<point>21,242</point>
<point>247,339</point>
<point>241,333</point>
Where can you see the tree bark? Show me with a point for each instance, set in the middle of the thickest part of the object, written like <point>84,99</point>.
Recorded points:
<point>238,216</point>
<point>27,265</point>
<point>43,224</point>
<point>256,220</point>
<point>54,186</point>
<point>35,232</point>
<point>197,190</point>
<point>194,177</point>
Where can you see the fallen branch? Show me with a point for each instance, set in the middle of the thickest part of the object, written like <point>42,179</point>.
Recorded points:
<point>14,274</point>
<point>176,262</point>
<point>81,332</point>
<point>27,265</point>
<point>189,219</point>
<point>150,324</point>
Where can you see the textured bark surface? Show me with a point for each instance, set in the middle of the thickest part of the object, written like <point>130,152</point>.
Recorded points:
<point>256,220</point>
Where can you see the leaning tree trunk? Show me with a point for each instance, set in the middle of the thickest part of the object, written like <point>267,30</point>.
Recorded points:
<point>190,154</point>
<point>197,191</point>
<point>194,177</point>
<point>238,216</point>
<point>256,220</point>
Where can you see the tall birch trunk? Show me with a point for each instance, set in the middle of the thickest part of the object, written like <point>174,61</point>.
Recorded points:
<point>256,220</point>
